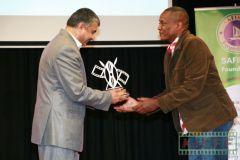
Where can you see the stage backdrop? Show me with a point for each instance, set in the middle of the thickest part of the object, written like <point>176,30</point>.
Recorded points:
<point>220,29</point>
<point>108,135</point>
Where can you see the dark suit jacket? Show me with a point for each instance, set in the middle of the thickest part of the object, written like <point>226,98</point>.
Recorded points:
<point>194,88</point>
<point>62,95</point>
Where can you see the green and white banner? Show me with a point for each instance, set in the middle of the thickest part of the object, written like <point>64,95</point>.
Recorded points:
<point>220,29</point>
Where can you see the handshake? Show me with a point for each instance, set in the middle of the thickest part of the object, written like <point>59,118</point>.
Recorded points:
<point>141,105</point>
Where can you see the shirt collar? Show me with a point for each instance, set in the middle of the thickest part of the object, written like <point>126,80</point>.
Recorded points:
<point>171,47</point>
<point>78,43</point>
<point>175,41</point>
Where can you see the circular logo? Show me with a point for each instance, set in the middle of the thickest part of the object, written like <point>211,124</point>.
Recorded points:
<point>228,33</point>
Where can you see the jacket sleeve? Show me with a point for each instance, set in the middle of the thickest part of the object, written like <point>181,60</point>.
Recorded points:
<point>70,72</point>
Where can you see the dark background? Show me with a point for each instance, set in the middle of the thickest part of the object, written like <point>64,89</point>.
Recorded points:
<point>108,135</point>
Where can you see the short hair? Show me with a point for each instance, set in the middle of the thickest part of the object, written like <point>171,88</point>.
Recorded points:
<point>180,14</point>
<point>84,15</point>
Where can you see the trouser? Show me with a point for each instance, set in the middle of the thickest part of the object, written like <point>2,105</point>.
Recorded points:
<point>56,153</point>
<point>212,145</point>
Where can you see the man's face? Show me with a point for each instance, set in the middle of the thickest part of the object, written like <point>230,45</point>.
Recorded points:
<point>87,32</point>
<point>167,27</point>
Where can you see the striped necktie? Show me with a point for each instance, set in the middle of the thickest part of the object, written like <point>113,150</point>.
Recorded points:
<point>171,47</point>
<point>182,125</point>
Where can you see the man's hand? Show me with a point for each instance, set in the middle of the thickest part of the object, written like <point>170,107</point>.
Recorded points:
<point>118,95</point>
<point>146,105</point>
<point>127,106</point>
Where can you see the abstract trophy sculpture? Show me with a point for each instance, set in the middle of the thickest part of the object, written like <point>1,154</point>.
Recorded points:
<point>111,74</point>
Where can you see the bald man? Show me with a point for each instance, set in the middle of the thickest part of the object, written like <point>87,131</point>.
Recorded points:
<point>194,92</point>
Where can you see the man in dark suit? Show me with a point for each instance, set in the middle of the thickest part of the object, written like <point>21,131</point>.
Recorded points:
<point>62,91</point>
<point>194,92</point>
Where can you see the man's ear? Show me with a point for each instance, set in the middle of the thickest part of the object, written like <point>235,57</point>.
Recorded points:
<point>180,25</point>
<point>81,25</point>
